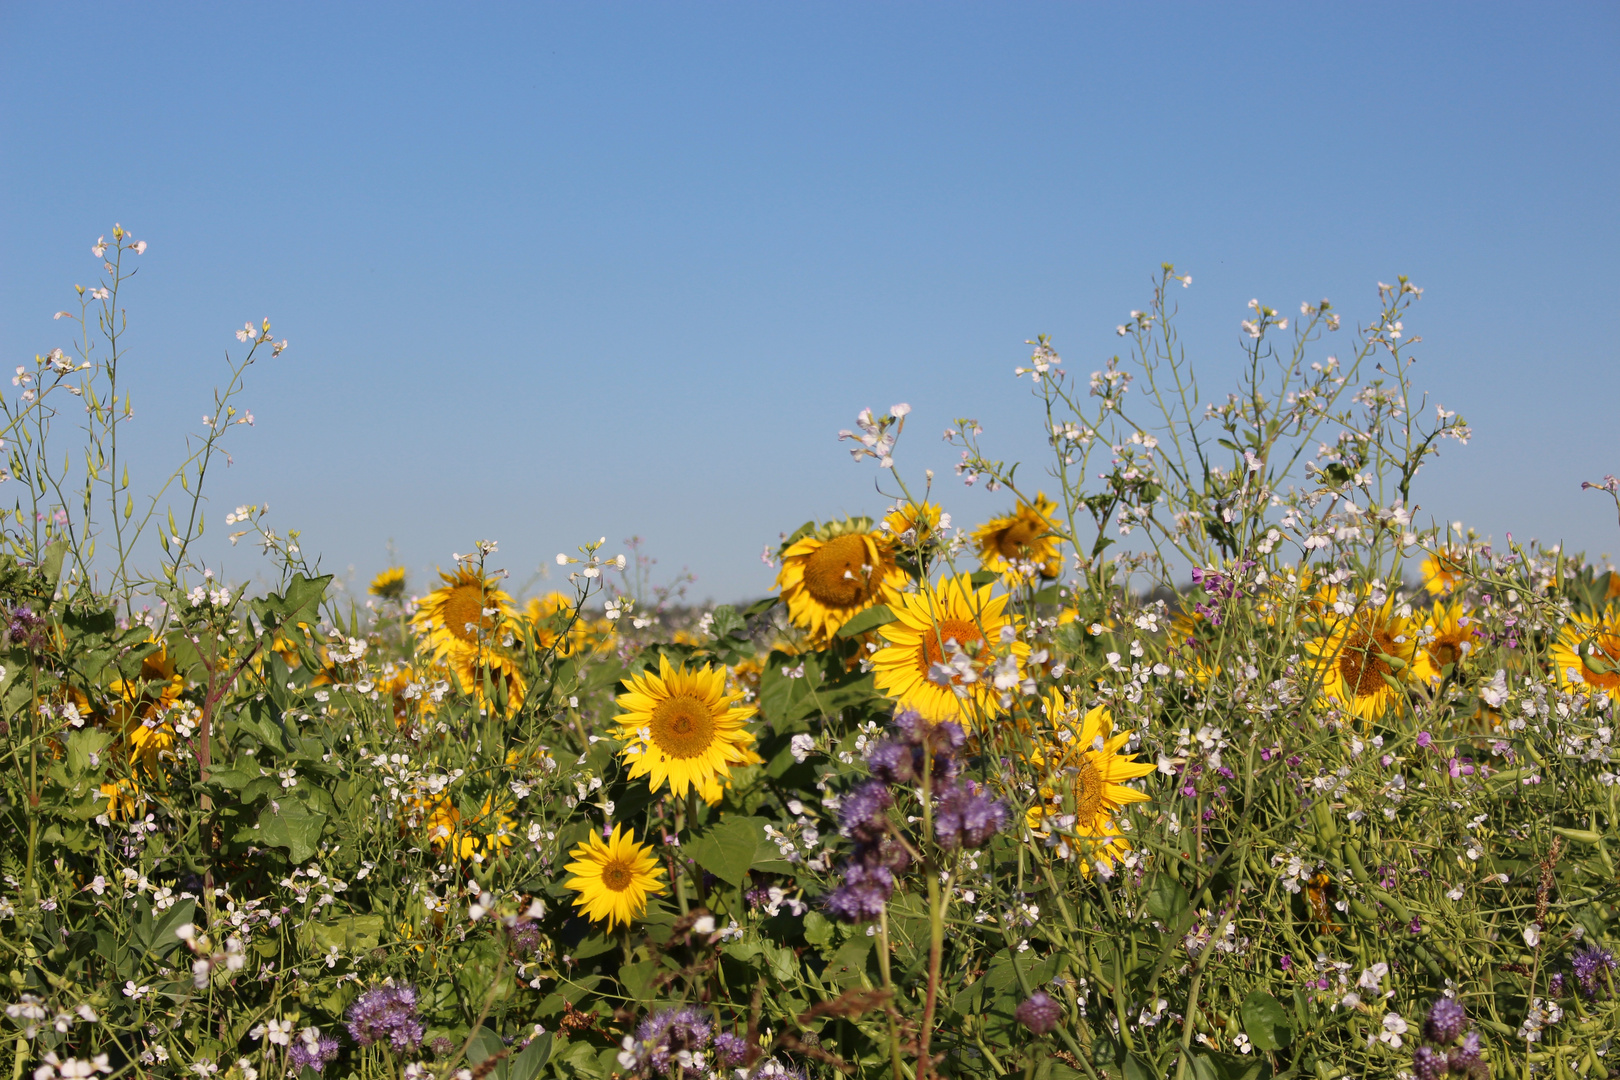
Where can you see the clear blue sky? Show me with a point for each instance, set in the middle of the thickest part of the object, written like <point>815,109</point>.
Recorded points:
<point>558,272</point>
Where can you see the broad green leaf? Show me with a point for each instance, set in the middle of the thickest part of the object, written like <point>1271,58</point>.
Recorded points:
<point>1266,1022</point>
<point>1166,899</point>
<point>527,1065</point>
<point>870,619</point>
<point>294,827</point>
<point>728,849</point>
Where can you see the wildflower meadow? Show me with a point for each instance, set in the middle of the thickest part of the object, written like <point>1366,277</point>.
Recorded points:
<point>1205,759</point>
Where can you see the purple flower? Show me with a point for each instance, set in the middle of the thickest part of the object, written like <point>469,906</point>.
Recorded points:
<point>661,1037</point>
<point>1039,1012</point>
<point>525,935</point>
<point>861,814</point>
<point>313,1053</point>
<point>387,1013</point>
<point>1589,963</point>
<point>731,1050</point>
<point>965,816</point>
<point>1429,1063</point>
<point>1424,739</point>
<point>862,895</point>
<point>1285,962</point>
<point>1555,986</point>
<point>891,762</point>
<point>1445,1022</point>
<point>1466,1059</point>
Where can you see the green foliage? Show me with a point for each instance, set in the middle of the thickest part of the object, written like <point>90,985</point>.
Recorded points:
<point>230,815</point>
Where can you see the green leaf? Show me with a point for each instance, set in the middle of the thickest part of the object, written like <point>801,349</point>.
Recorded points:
<point>727,622</point>
<point>484,1045</point>
<point>981,578</point>
<point>51,566</point>
<point>1166,899</point>
<point>294,827</point>
<point>162,941</point>
<point>873,617</point>
<point>760,607</point>
<point>527,1065</point>
<point>818,931</point>
<point>1265,1021</point>
<point>728,848</point>
<point>1210,1066</point>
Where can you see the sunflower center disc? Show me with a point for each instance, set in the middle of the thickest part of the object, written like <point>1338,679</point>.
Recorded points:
<point>682,727</point>
<point>964,633</point>
<point>836,575</point>
<point>1088,793</point>
<point>1016,537</point>
<point>616,876</point>
<point>465,605</point>
<point>1445,652</point>
<point>1361,665</point>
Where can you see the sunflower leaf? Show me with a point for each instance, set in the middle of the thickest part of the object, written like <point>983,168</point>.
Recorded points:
<point>873,617</point>
<point>728,848</point>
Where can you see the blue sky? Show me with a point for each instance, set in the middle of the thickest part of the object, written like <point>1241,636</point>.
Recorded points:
<point>558,272</point>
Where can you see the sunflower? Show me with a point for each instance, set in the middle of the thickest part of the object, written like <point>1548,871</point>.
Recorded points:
<point>143,707</point>
<point>837,572</point>
<point>1587,650</point>
<point>410,691</point>
<point>463,614</point>
<point>1442,570</point>
<point>390,584</point>
<point>1352,659</point>
<point>485,833</point>
<point>913,524</point>
<point>465,624</point>
<point>613,877</point>
<point>1086,776</point>
<point>1448,638</point>
<point>1020,546</point>
<point>124,799</point>
<point>545,613</point>
<point>925,624</point>
<point>681,727</point>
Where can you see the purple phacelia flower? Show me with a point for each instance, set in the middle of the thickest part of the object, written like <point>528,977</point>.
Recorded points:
<point>1589,964</point>
<point>1429,1063</point>
<point>730,1050</point>
<point>1039,1012</point>
<point>966,816</point>
<point>860,815</point>
<point>661,1038</point>
<point>1445,1022</point>
<point>314,1052</point>
<point>862,895</point>
<point>386,1014</point>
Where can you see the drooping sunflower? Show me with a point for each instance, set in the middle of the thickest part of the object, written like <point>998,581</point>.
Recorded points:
<point>1351,659</point>
<point>455,617</point>
<point>613,877</point>
<point>681,727</point>
<point>1442,570</point>
<point>926,624</point>
<point>485,833</point>
<point>143,706</point>
<point>390,584</point>
<point>543,615</point>
<point>837,572</point>
<point>125,799</point>
<point>1086,774</point>
<point>465,623</point>
<point>1587,651</point>
<point>1020,546</point>
<point>1448,639</point>
<point>913,524</point>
